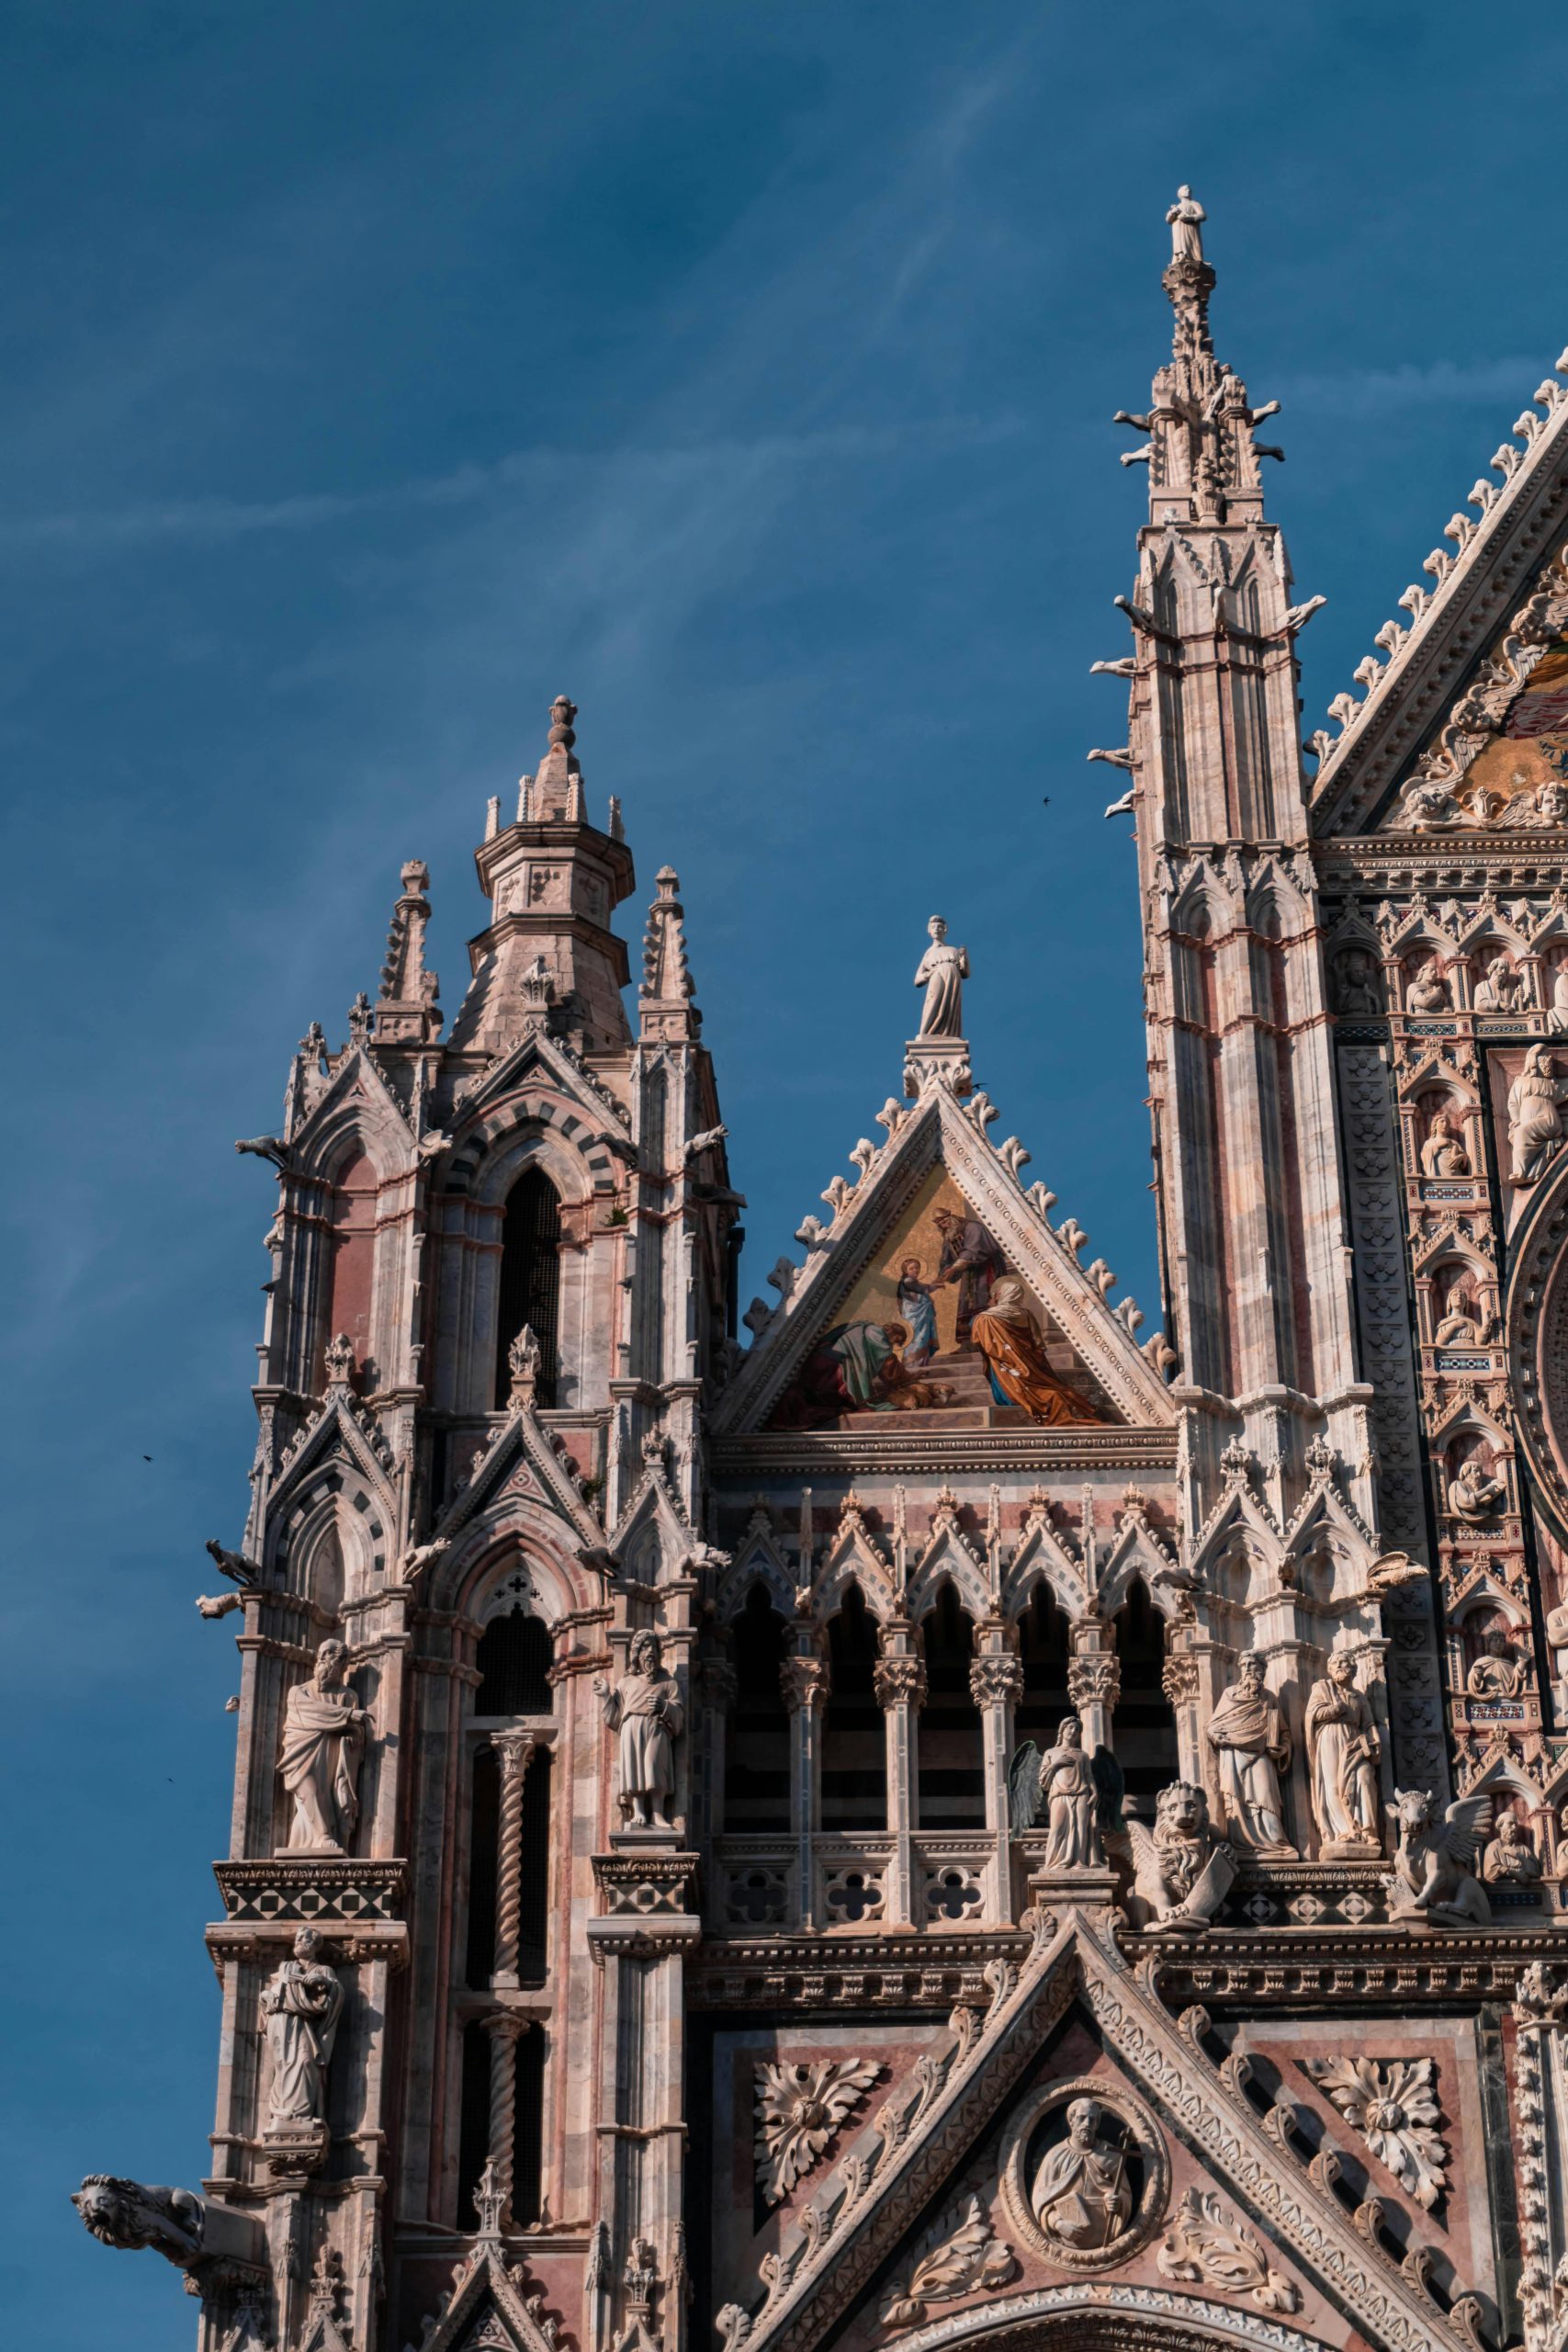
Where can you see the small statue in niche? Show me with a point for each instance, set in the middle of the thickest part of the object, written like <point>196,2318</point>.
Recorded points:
<point>1081,1795</point>
<point>1461,1323</point>
<point>644,1708</point>
<point>1247,1735</point>
<point>323,1735</point>
<point>1443,1153</point>
<point>1082,2197</point>
<point>1474,1494</point>
<point>1497,1673</point>
<point>1501,988</point>
<point>1534,1118</point>
<point>1511,1853</point>
<point>301,2005</point>
<point>943,972</point>
<point>1356,982</point>
<point>1428,990</point>
<point>1343,1748</point>
<point>1557,1009</point>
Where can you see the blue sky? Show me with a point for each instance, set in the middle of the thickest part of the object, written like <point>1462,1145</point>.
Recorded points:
<point>374,373</point>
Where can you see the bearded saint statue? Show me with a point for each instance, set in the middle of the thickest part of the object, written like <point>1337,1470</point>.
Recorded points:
<point>1082,2195</point>
<point>323,1733</point>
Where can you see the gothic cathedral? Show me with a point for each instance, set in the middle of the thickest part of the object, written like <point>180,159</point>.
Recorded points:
<point>919,1814</point>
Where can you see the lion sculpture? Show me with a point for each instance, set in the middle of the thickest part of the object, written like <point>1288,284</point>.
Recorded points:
<point>1183,1869</point>
<point>1434,1874</point>
<point>128,2213</point>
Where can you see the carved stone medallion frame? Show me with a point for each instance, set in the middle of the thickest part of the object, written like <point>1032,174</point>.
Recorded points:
<point>1143,2137</point>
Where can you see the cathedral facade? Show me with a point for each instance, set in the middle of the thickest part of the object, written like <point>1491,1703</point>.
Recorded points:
<point>920,1814</point>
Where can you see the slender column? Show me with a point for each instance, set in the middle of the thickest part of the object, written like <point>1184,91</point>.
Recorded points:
<point>718,1689</point>
<point>514,1751</point>
<point>505,2029</point>
<point>996,1685</point>
<point>1094,1682</point>
<point>899,1681</point>
<point>804,1681</point>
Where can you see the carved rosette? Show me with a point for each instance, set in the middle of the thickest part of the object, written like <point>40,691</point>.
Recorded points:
<point>1392,2103</point>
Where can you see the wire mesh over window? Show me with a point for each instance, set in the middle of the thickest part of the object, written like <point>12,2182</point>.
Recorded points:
<point>514,1668</point>
<point>530,1283</point>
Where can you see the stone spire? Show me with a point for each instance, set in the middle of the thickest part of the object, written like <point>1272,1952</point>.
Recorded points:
<point>1240,1077</point>
<point>665,998</point>
<point>1201,457</point>
<point>406,1007</point>
<point>553,880</point>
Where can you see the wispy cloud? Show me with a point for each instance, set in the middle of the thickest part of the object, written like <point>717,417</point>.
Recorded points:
<point>217,520</point>
<point>1437,383</point>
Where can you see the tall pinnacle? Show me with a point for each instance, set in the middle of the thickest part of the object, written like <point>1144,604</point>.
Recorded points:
<point>1202,457</point>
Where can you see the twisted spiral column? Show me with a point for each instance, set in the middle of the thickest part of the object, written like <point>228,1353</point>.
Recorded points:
<point>504,2029</point>
<point>514,1751</point>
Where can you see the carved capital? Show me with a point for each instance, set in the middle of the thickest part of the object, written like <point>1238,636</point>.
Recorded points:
<point>899,1681</point>
<point>514,1751</point>
<point>1094,1678</point>
<point>804,1681</point>
<point>1179,1680</point>
<point>996,1680</point>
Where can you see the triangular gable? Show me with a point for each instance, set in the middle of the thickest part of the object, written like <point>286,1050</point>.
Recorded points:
<point>938,1159</point>
<point>556,1067</point>
<point>486,2313</point>
<point>870,2206</point>
<point>522,1438</point>
<point>1490,598</point>
<point>355,1097</point>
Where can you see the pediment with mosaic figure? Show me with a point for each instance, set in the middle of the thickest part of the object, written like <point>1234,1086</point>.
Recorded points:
<point>1036,2162</point>
<point>1462,721</point>
<point>938,1294</point>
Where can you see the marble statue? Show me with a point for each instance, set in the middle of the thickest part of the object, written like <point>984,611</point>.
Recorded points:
<point>323,1735</point>
<point>1443,1153</point>
<point>1474,1494</point>
<point>1557,1011</point>
<point>1183,1870</point>
<point>1534,1118</point>
<point>301,2005</point>
<point>1081,1795</point>
<point>1429,992</point>
<point>1433,1876</point>
<point>1248,1736</point>
<point>1497,1673</point>
<point>1461,1323</point>
<point>1082,2198</point>
<point>1511,1854</point>
<point>943,972</point>
<point>1343,1748</point>
<point>1356,982</point>
<point>1501,988</point>
<point>129,2214</point>
<point>1186,218</point>
<point>644,1708</point>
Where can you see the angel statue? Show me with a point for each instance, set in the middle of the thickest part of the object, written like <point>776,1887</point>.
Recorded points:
<point>1434,1863</point>
<point>1082,1796</point>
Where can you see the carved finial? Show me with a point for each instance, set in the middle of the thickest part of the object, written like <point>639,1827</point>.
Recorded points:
<point>667,987</point>
<point>408,991</point>
<point>490,2200</point>
<point>563,712</point>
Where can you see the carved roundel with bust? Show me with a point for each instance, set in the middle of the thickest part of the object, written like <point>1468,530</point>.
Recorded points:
<point>1537,1339</point>
<point>1085,2175</point>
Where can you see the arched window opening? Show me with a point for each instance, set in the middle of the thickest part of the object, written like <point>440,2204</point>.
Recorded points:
<point>352,1211</point>
<point>484,1826</point>
<point>855,1739</point>
<point>530,1282</point>
<point>1043,1648</point>
<point>1143,1728</point>
<point>534,1839</point>
<point>528,2146</point>
<point>952,1765</point>
<point>473,2130</point>
<point>515,1666</point>
<point>756,1753</point>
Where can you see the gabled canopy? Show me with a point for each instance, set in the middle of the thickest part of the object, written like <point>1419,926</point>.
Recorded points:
<point>1496,611</point>
<point>881,1320</point>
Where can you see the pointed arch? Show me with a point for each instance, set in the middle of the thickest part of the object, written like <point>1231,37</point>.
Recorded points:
<point>854,1754</point>
<point>756,1747</point>
<point>951,1792</point>
<point>528,1283</point>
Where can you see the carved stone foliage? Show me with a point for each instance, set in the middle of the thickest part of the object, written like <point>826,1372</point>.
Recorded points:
<point>799,2110</point>
<point>1085,2175</point>
<point>962,2255</point>
<point>1392,2103</point>
<point>1210,2247</point>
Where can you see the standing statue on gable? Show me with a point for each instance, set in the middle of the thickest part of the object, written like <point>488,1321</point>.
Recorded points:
<point>943,972</point>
